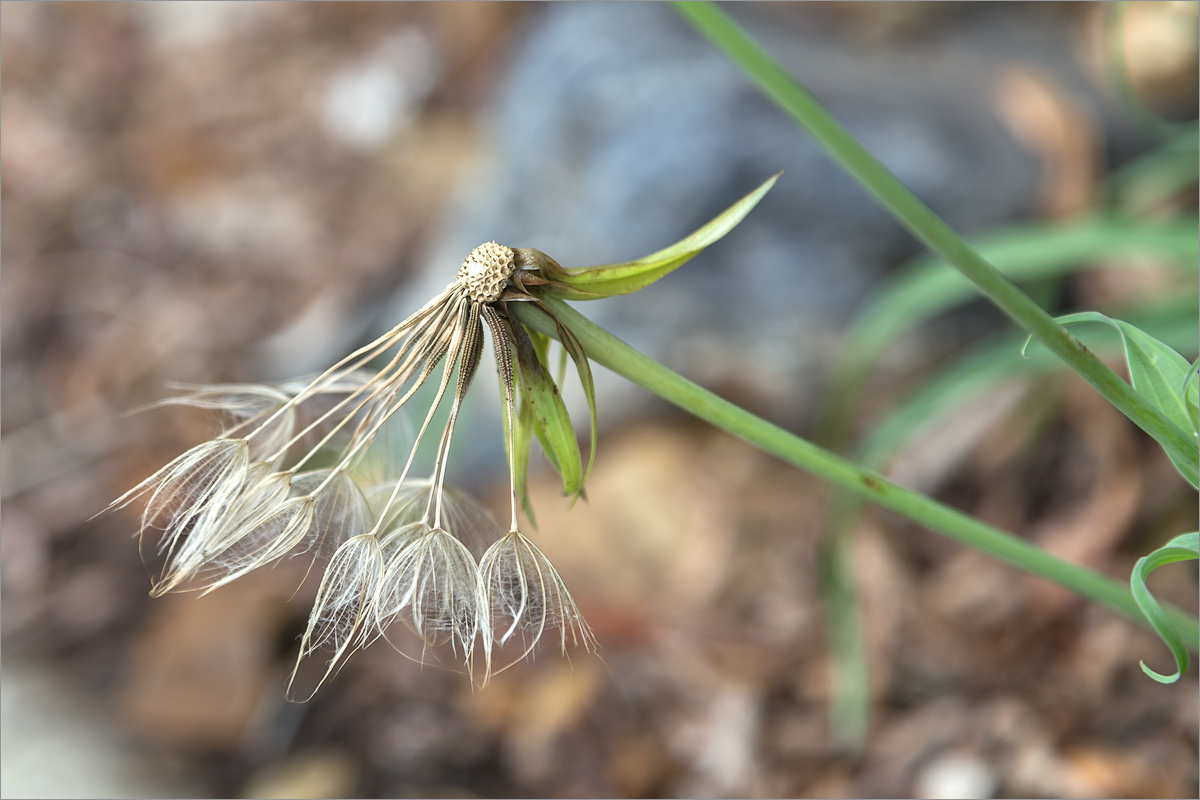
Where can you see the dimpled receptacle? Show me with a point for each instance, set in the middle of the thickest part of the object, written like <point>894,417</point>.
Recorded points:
<point>486,271</point>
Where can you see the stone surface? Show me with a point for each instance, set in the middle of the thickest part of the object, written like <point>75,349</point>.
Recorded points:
<point>59,743</point>
<point>618,131</point>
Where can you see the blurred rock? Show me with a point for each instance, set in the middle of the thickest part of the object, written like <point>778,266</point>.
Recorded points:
<point>727,744</point>
<point>953,775</point>
<point>619,130</point>
<point>57,742</point>
<point>368,101</point>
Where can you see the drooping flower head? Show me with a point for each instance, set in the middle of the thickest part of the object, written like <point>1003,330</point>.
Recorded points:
<point>284,478</point>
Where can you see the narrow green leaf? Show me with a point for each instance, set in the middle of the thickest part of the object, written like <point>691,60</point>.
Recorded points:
<point>722,30</point>
<point>605,349</point>
<point>551,423</point>
<point>926,286</point>
<point>593,283</point>
<point>963,381</point>
<point>560,369</point>
<point>1158,374</point>
<point>994,362</point>
<point>1150,180</point>
<point>1185,547</point>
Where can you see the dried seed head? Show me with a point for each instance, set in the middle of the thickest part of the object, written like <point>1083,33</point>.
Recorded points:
<point>486,271</point>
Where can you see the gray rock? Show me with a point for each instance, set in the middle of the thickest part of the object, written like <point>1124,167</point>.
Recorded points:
<point>619,130</point>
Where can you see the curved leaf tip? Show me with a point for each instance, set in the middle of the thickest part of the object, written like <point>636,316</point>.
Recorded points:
<point>1185,547</point>
<point>606,280</point>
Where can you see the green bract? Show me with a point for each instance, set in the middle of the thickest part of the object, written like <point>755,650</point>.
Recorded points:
<point>537,277</point>
<point>550,421</point>
<point>606,280</point>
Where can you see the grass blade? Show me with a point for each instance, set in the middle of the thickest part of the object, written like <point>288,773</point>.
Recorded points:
<point>715,24</point>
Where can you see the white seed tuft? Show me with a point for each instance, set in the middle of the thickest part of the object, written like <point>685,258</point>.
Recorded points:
<point>486,271</point>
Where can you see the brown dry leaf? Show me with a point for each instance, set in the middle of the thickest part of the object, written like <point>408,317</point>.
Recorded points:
<point>552,700</point>
<point>902,740</point>
<point>639,766</point>
<point>1089,531</point>
<point>557,699</point>
<point>927,460</point>
<point>972,590</point>
<point>1057,129</point>
<point>724,743</point>
<point>1093,530</point>
<point>1098,771</point>
<point>320,773</point>
<point>659,523</point>
<point>533,704</point>
<point>886,595</point>
<point>1159,44</point>
<point>198,668</point>
<point>1101,652</point>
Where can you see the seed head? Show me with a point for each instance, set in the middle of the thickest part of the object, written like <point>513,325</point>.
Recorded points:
<point>399,549</point>
<point>486,271</point>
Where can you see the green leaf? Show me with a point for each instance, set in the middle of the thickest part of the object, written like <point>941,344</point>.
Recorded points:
<point>1192,398</point>
<point>964,380</point>
<point>922,222</point>
<point>550,421</point>
<point>994,362</point>
<point>1182,548</point>
<point>925,287</point>
<point>605,349</point>
<point>593,283</point>
<point>1149,181</point>
<point>1159,375</point>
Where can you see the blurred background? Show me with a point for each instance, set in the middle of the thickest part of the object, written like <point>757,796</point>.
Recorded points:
<point>214,192</point>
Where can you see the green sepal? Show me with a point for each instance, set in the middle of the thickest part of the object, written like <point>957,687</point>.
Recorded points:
<point>606,280</point>
<point>541,347</point>
<point>574,349</point>
<point>550,421</point>
<point>1185,547</point>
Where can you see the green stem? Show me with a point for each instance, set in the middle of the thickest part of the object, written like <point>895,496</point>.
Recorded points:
<point>715,24</point>
<point>609,351</point>
<point>850,683</point>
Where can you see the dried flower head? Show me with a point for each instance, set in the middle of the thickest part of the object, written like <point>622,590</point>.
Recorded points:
<point>285,477</point>
<point>402,551</point>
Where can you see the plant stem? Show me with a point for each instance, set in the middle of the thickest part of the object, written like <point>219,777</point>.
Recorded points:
<point>609,351</point>
<point>715,24</point>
